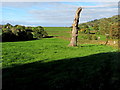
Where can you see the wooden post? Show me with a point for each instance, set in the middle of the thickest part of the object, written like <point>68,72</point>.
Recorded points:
<point>73,41</point>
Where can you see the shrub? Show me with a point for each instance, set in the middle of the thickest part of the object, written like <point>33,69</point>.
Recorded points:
<point>38,32</point>
<point>8,36</point>
<point>18,33</point>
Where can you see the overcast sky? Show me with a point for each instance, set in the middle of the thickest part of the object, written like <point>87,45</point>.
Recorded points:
<point>54,13</point>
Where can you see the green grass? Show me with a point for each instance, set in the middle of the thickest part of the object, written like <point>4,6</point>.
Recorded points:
<point>48,49</point>
<point>58,31</point>
<point>49,64</point>
<point>66,32</point>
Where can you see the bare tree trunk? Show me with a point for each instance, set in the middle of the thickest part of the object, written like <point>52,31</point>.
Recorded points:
<point>73,41</point>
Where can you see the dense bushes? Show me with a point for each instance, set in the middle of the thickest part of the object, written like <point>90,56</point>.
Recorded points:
<point>22,33</point>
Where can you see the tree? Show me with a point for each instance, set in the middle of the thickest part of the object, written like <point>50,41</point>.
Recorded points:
<point>73,41</point>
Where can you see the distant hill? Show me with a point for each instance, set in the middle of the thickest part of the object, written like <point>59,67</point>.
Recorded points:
<point>102,26</point>
<point>113,19</point>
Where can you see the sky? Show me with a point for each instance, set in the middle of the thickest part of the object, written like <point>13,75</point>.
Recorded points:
<point>57,14</point>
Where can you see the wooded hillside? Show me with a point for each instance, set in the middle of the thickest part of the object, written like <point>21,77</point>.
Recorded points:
<point>104,26</point>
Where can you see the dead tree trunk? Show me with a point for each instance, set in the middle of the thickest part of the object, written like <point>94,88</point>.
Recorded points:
<point>73,41</point>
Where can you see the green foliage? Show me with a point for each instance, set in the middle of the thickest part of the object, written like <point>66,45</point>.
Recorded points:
<point>38,32</point>
<point>84,28</point>
<point>96,27</point>
<point>102,26</point>
<point>18,33</point>
<point>7,26</point>
<point>19,27</point>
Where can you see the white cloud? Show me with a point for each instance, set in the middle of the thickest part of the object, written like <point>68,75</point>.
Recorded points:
<point>104,5</point>
<point>59,14</point>
<point>56,13</point>
<point>65,13</point>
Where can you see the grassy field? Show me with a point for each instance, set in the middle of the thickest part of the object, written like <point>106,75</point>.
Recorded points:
<point>44,50</point>
<point>65,33</point>
<point>49,64</point>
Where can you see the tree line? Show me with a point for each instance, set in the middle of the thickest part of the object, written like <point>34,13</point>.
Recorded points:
<point>21,33</point>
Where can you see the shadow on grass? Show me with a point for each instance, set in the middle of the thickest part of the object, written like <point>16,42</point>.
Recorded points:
<point>94,72</point>
<point>17,40</point>
<point>49,36</point>
<point>26,40</point>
